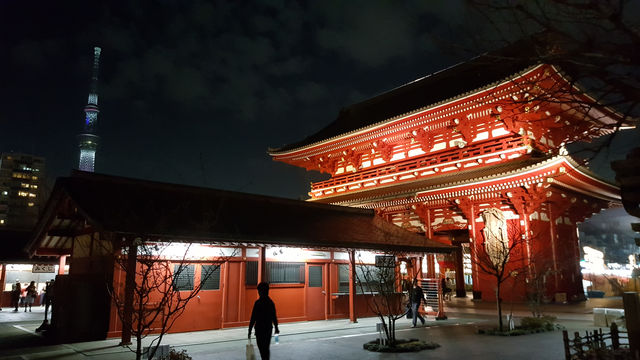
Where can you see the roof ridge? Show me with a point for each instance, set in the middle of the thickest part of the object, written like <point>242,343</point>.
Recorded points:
<point>77,174</point>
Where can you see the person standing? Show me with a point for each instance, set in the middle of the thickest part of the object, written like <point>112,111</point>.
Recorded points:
<point>30,296</point>
<point>416,298</point>
<point>264,318</point>
<point>16,289</point>
<point>48,299</point>
<point>446,291</point>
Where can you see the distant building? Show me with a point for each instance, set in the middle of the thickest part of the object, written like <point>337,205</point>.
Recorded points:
<point>21,180</point>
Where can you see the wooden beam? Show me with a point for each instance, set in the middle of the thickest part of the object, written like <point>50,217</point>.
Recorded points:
<point>52,252</point>
<point>70,232</point>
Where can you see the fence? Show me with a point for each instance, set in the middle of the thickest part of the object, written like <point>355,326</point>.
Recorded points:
<point>431,293</point>
<point>597,345</point>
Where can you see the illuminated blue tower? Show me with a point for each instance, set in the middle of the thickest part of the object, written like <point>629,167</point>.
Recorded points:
<point>88,140</point>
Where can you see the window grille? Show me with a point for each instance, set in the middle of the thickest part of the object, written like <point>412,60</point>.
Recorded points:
<point>370,278</point>
<point>315,276</point>
<point>343,278</point>
<point>210,277</point>
<point>251,273</point>
<point>183,277</point>
<point>285,273</point>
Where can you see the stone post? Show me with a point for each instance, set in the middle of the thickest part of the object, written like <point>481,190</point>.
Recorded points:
<point>632,317</point>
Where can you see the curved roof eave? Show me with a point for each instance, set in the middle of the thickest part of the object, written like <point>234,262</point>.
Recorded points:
<point>497,83</point>
<point>453,184</point>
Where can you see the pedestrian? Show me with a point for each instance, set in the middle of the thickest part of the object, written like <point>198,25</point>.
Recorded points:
<point>23,294</point>
<point>446,292</point>
<point>49,294</point>
<point>416,298</point>
<point>264,318</point>
<point>31,295</point>
<point>16,289</point>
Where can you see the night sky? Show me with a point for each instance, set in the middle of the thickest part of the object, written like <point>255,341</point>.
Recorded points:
<point>194,92</point>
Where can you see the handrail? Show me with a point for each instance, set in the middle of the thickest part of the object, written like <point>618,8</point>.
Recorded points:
<point>424,162</point>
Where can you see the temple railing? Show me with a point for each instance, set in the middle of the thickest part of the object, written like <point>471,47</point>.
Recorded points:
<point>433,163</point>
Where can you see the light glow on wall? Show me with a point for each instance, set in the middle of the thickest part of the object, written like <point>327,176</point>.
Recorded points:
<point>179,251</point>
<point>593,260</point>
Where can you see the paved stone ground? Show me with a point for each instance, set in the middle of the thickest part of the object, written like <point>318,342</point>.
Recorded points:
<point>333,339</point>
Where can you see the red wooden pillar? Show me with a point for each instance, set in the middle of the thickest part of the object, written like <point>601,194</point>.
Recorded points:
<point>460,291</point>
<point>129,287</point>
<point>352,286</point>
<point>3,277</point>
<point>554,239</point>
<point>326,268</point>
<point>241,288</point>
<point>576,276</point>
<point>61,264</point>
<point>262,264</point>
<point>431,266</point>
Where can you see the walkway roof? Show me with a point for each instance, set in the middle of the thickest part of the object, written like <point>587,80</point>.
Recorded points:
<point>86,202</point>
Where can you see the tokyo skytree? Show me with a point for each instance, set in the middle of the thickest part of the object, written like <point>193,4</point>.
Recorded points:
<point>88,140</point>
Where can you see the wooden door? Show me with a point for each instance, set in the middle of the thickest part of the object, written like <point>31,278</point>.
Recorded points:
<point>316,295</point>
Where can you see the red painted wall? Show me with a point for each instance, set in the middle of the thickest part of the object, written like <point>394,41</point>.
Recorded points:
<point>231,305</point>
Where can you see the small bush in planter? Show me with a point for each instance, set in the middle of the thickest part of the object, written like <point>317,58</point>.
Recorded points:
<point>528,325</point>
<point>401,345</point>
<point>534,323</point>
<point>179,355</point>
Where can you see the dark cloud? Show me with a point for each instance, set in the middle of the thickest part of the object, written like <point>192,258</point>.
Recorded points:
<point>196,91</point>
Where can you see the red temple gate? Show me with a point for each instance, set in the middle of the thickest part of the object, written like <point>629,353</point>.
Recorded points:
<point>437,154</point>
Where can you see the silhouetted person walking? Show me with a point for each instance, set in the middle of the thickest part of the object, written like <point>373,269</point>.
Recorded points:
<point>263,316</point>
<point>416,298</point>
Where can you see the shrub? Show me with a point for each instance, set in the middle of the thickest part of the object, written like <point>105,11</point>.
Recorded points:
<point>179,355</point>
<point>535,323</point>
<point>401,345</point>
<point>528,325</point>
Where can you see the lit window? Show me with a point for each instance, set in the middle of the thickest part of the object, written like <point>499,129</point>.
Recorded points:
<point>30,204</point>
<point>34,177</point>
<point>24,185</point>
<point>22,193</point>
<point>34,186</point>
<point>32,195</point>
<point>1,221</point>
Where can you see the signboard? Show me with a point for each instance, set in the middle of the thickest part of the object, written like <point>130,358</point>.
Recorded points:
<point>43,268</point>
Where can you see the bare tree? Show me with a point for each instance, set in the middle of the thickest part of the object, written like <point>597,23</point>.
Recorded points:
<point>537,282</point>
<point>163,287</point>
<point>501,255</point>
<point>382,281</point>
<point>593,43</point>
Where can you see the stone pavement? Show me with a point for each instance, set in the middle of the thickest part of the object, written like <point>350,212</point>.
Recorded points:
<point>336,339</point>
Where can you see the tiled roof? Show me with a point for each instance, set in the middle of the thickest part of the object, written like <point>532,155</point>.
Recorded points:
<point>450,83</point>
<point>184,213</point>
